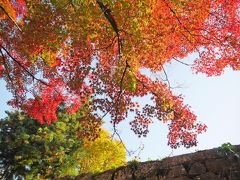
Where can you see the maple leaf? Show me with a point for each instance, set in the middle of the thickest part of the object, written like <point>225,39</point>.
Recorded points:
<point>74,52</point>
<point>8,10</point>
<point>13,10</point>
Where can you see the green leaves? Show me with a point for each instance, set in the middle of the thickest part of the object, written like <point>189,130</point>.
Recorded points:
<point>226,148</point>
<point>127,80</point>
<point>56,150</point>
<point>37,147</point>
<point>61,126</point>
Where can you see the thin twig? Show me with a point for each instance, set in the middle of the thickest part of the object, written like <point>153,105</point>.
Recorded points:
<point>166,76</point>
<point>181,24</point>
<point>106,47</point>
<point>182,62</point>
<point>119,95</point>
<point>121,81</point>
<point>24,68</point>
<point>179,21</point>
<point>8,74</point>
<point>121,141</point>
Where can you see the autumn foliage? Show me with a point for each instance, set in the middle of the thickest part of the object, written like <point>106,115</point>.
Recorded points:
<point>76,51</point>
<point>12,10</point>
<point>34,151</point>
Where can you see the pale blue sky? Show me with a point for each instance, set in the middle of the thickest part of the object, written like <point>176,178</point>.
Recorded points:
<point>215,100</point>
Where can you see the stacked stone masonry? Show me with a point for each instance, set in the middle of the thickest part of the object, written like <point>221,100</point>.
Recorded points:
<point>203,165</point>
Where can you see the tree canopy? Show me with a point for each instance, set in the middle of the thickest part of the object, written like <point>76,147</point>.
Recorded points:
<point>34,151</point>
<point>70,51</point>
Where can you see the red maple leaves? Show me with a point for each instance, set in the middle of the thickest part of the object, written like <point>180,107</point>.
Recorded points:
<point>97,60</point>
<point>1,70</point>
<point>44,107</point>
<point>220,39</point>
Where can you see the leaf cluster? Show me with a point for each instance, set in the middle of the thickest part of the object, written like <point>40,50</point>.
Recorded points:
<point>34,151</point>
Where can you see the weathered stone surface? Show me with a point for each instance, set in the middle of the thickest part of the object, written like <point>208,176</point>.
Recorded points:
<point>218,165</point>
<point>151,178</point>
<point>181,178</point>
<point>105,176</point>
<point>196,169</point>
<point>234,175</point>
<point>176,178</point>
<point>186,158</point>
<point>162,172</point>
<point>147,169</point>
<point>87,176</point>
<point>196,178</point>
<point>204,165</point>
<point>125,173</point>
<point>177,171</point>
<point>162,178</point>
<point>209,176</point>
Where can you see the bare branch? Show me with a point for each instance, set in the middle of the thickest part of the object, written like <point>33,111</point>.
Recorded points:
<point>182,62</point>
<point>166,76</point>
<point>120,139</point>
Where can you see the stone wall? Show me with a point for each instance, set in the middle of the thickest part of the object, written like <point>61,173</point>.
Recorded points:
<point>205,165</point>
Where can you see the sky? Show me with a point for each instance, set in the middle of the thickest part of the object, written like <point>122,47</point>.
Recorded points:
<point>215,101</point>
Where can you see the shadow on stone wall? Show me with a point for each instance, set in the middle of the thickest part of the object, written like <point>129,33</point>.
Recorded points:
<point>204,165</point>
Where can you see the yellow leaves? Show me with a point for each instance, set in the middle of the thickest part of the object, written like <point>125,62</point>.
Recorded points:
<point>7,11</point>
<point>18,157</point>
<point>102,154</point>
<point>167,104</point>
<point>60,3</point>
<point>179,4</point>
<point>125,78</point>
<point>47,56</point>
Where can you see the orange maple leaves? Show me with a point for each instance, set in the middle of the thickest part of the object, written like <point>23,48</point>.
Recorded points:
<point>8,10</point>
<point>13,10</point>
<point>75,46</point>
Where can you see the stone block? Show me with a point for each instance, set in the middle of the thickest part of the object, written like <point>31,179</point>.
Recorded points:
<point>85,177</point>
<point>177,171</point>
<point>219,166</point>
<point>197,168</point>
<point>209,176</point>
<point>182,178</point>
<point>147,169</point>
<point>125,173</point>
<point>234,175</point>
<point>107,175</point>
<point>151,178</point>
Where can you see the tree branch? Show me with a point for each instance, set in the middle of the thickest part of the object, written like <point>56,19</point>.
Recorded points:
<point>111,20</point>
<point>182,25</point>
<point>119,94</point>
<point>182,62</point>
<point>24,68</point>
<point>10,18</point>
<point>8,74</point>
<point>166,76</point>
